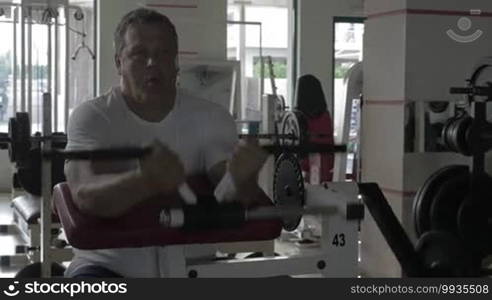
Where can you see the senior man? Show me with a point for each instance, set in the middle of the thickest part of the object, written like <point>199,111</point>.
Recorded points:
<point>188,136</point>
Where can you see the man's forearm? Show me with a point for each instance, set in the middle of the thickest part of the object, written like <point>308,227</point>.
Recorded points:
<point>111,196</point>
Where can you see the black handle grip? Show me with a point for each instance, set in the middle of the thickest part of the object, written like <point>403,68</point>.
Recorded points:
<point>461,91</point>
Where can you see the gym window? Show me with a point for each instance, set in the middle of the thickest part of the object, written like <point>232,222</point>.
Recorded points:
<point>259,30</point>
<point>24,54</point>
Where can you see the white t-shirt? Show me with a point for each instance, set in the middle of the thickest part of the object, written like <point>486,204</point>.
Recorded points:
<point>200,132</point>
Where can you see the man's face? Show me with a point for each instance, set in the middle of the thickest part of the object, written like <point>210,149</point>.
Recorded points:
<point>147,63</point>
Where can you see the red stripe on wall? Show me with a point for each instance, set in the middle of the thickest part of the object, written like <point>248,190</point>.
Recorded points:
<point>398,192</point>
<point>433,12</point>
<point>387,13</point>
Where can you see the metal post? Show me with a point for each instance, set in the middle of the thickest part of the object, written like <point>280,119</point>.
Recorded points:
<point>46,191</point>
<point>23,61</point>
<point>56,70</point>
<point>49,71</point>
<point>14,68</point>
<point>29,62</point>
<point>262,75</point>
<point>242,59</point>
<point>67,66</point>
<point>96,51</point>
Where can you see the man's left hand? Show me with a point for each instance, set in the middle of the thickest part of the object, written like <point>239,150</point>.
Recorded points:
<point>245,165</point>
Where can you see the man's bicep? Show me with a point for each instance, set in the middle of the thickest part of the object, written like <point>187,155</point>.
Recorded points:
<point>87,129</point>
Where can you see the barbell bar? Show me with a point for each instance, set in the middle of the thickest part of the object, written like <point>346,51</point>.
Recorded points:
<point>129,153</point>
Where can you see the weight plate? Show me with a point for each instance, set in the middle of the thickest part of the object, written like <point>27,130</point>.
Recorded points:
<point>425,195</point>
<point>12,135</point>
<point>20,137</point>
<point>456,135</point>
<point>448,199</point>
<point>29,174</point>
<point>463,136</point>
<point>288,187</point>
<point>474,228</point>
<point>293,124</point>
<point>482,74</point>
<point>443,255</point>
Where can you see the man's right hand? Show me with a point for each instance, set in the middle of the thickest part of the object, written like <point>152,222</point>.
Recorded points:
<point>162,171</point>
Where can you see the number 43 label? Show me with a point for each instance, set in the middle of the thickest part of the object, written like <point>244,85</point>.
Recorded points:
<point>339,240</point>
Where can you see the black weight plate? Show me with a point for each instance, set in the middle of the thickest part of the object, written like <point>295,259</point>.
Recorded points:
<point>20,136</point>
<point>443,255</point>
<point>449,134</point>
<point>462,136</point>
<point>29,175</point>
<point>447,201</point>
<point>456,135</point>
<point>474,228</point>
<point>288,187</point>
<point>12,135</point>
<point>425,195</point>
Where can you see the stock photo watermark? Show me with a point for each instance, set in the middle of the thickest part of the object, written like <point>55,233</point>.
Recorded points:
<point>466,33</point>
<point>69,289</point>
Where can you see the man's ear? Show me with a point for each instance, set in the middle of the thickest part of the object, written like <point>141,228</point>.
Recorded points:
<point>117,62</point>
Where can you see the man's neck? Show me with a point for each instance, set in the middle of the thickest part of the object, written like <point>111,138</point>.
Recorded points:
<point>154,110</point>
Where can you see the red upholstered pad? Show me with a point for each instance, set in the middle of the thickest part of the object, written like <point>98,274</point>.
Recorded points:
<point>141,227</point>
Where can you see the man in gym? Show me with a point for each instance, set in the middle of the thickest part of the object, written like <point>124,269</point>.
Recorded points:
<point>188,136</point>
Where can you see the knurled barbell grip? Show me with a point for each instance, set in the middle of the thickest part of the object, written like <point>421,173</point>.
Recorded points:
<point>461,91</point>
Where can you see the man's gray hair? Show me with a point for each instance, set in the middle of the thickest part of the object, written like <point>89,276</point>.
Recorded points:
<point>140,16</point>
